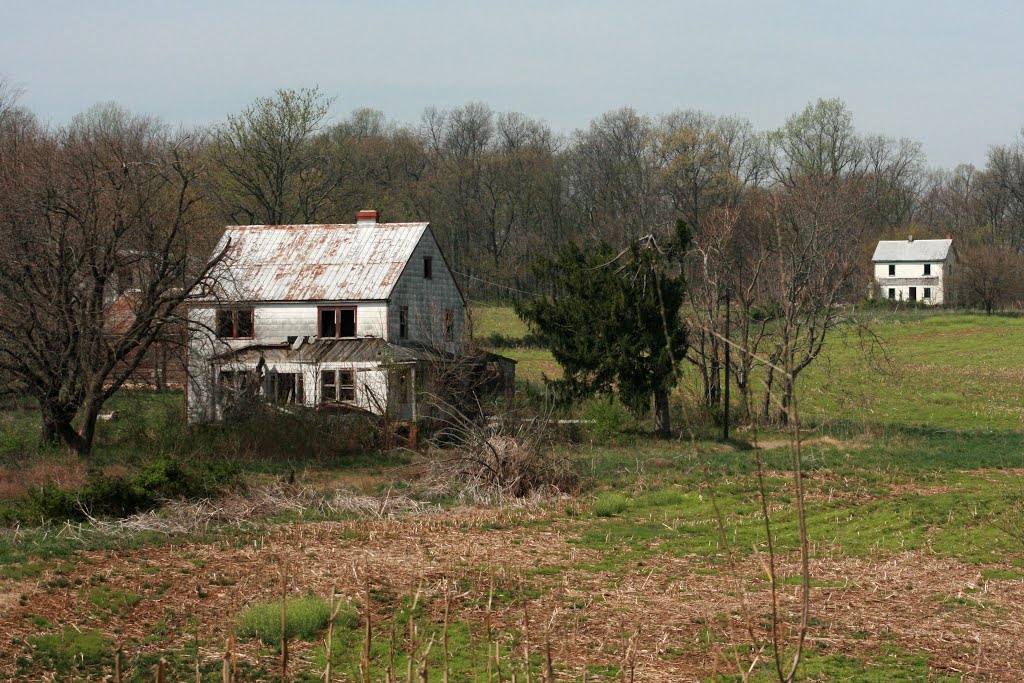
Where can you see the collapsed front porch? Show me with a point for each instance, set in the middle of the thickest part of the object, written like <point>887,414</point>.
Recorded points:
<point>368,374</point>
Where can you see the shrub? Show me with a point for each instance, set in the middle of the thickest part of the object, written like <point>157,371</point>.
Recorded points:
<point>106,496</point>
<point>609,504</point>
<point>305,618</point>
<point>611,420</point>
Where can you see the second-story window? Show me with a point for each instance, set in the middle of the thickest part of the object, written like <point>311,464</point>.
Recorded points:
<point>428,267</point>
<point>337,322</point>
<point>234,323</point>
<point>892,269</point>
<point>927,269</point>
<point>403,322</point>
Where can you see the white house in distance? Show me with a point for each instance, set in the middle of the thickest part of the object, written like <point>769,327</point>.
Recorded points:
<point>914,270</point>
<point>343,316</point>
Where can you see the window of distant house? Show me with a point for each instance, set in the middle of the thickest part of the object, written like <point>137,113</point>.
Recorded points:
<point>449,324</point>
<point>337,385</point>
<point>927,269</point>
<point>927,292</point>
<point>337,322</point>
<point>892,293</point>
<point>428,267</point>
<point>234,323</point>
<point>403,322</point>
<point>892,269</point>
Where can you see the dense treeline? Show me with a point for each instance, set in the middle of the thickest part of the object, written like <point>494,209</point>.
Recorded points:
<point>500,188</point>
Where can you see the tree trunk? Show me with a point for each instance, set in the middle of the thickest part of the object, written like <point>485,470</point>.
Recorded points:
<point>58,428</point>
<point>662,418</point>
<point>90,413</point>
<point>766,411</point>
<point>49,432</point>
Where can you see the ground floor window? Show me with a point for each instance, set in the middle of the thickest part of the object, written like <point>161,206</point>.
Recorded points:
<point>892,293</point>
<point>927,292</point>
<point>285,388</point>
<point>337,385</point>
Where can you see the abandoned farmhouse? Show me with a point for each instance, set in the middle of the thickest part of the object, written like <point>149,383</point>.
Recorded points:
<point>914,270</point>
<point>350,317</point>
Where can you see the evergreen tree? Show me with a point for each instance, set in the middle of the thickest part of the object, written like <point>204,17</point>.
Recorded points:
<point>611,320</point>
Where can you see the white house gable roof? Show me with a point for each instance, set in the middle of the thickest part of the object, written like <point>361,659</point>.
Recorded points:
<point>912,250</point>
<point>340,262</point>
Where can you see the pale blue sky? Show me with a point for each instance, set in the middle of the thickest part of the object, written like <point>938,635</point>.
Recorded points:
<point>944,73</point>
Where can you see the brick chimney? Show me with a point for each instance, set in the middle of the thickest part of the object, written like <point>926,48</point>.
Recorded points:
<point>367,217</point>
<point>910,238</point>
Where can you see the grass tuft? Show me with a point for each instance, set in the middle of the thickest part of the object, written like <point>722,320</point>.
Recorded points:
<point>609,504</point>
<point>306,617</point>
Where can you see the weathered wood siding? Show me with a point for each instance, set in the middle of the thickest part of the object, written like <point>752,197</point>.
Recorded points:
<point>427,300</point>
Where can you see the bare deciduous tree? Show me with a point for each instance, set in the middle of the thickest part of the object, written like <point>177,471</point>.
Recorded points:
<point>109,201</point>
<point>990,276</point>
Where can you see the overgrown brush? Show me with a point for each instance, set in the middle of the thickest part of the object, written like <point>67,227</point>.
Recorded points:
<point>163,478</point>
<point>506,453</point>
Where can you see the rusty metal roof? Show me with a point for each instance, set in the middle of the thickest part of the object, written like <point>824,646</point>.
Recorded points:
<point>340,262</point>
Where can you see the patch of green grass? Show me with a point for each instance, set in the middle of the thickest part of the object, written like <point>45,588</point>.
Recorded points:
<point>1003,574</point>
<point>306,617</point>
<point>21,571</point>
<point>495,320</point>
<point>61,651</point>
<point>113,600</point>
<point>467,650</point>
<point>887,664</point>
<point>609,504</point>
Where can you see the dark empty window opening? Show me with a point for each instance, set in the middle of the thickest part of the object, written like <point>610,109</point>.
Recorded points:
<point>892,293</point>
<point>892,269</point>
<point>927,269</point>
<point>403,322</point>
<point>927,292</point>
<point>284,388</point>
<point>234,384</point>
<point>346,385</point>
<point>449,324</point>
<point>337,322</point>
<point>337,385</point>
<point>234,323</point>
<point>328,386</point>
<point>913,294</point>
<point>428,267</point>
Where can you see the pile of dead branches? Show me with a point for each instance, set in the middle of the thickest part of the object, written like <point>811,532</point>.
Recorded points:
<point>501,454</point>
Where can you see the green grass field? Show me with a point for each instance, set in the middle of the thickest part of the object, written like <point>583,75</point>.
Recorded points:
<point>928,368</point>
